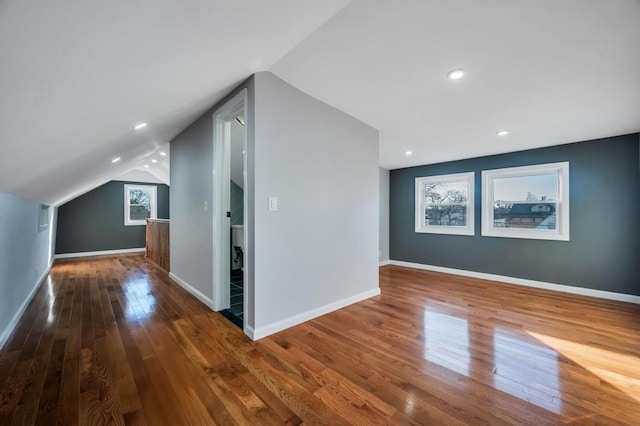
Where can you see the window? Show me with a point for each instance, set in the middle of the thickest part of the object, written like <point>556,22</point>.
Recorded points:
<point>526,202</point>
<point>139,203</point>
<point>43,218</point>
<point>444,204</point>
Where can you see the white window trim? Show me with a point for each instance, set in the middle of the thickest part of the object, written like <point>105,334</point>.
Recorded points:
<point>469,177</point>
<point>43,217</point>
<point>562,204</point>
<point>154,205</point>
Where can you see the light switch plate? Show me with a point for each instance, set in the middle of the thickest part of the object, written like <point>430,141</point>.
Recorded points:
<point>273,204</point>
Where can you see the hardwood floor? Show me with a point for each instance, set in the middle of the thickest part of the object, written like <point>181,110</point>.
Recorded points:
<point>112,340</point>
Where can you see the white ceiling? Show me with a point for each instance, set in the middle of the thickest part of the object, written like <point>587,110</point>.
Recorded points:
<point>75,79</point>
<point>138,176</point>
<point>155,164</point>
<point>76,76</point>
<point>548,71</point>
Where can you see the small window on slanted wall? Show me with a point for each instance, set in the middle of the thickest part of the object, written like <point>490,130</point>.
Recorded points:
<point>444,204</point>
<point>43,218</point>
<point>139,204</point>
<point>526,202</point>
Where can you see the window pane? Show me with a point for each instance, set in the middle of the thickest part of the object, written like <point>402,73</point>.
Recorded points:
<point>139,204</point>
<point>526,188</point>
<point>449,215</point>
<point>138,196</point>
<point>43,218</point>
<point>139,212</point>
<point>524,215</point>
<point>444,204</point>
<point>446,193</point>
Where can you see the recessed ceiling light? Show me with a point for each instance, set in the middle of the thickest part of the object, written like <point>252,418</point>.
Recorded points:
<point>115,160</point>
<point>154,160</point>
<point>146,166</point>
<point>502,133</point>
<point>455,74</point>
<point>163,153</point>
<point>140,126</point>
<point>408,153</point>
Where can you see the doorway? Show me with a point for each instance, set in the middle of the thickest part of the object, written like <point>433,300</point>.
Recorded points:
<point>230,214</point>
<point>236,208</point>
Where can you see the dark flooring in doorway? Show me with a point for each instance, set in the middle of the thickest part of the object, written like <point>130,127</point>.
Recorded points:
<point>235,313</point>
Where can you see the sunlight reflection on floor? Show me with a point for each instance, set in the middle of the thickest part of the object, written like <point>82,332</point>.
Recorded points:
<point>51,297</point>
<point>599,362</point>
<point>516,374</point>
<point>141,302</point>
<point>447,341</point>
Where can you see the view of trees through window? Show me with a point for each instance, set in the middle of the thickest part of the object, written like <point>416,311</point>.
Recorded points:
<point>446,203</point>
<point>139,204</point>
<point>517,202</point>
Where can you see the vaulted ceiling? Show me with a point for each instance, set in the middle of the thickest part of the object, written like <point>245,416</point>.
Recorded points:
<point>76,78</point>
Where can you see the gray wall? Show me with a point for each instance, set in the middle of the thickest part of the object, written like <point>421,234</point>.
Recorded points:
<point>384,215</point>
<point>604,248</point>
<point>321,246</point>
<point>25,256</point>
<point>192,185</point>
<point>95,221</point>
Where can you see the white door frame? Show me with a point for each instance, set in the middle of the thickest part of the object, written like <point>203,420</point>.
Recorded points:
<point>221,195</point>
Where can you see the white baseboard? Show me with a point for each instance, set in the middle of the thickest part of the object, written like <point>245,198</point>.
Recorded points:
<point>6,333</point>
<point>194,291</point>
<point>99,253</point>
<point>621,297</point>
<point>385,262</point>
<point>266,330</point>
<point>249,331</point>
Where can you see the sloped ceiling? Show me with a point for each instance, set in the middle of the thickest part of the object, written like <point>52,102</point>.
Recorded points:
<point>76,76</point>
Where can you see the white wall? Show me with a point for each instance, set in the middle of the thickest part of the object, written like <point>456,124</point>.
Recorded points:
<point>319,251</point>
<point>384,215</point>
<point>25,257</point>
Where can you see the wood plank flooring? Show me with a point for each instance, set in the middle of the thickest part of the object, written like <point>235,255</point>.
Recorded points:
<point>113,341</point>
